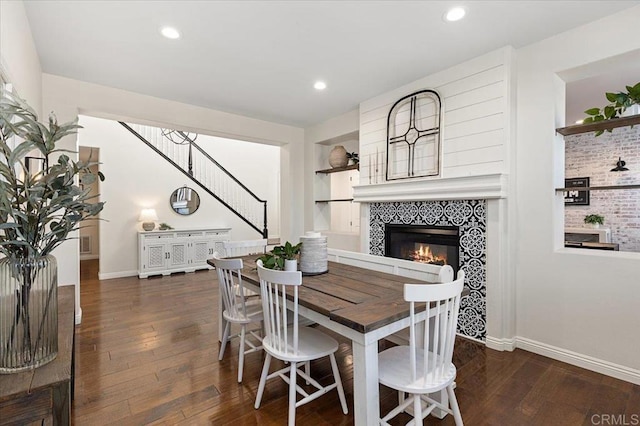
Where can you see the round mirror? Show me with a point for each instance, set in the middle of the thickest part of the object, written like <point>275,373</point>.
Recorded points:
<point>184,200</point>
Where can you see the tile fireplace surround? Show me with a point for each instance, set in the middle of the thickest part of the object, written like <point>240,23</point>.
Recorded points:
<point>470,217</point>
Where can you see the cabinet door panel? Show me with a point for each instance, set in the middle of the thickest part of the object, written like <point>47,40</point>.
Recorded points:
<point>155,255</point>
<point>200,252</point>
<point>177,254</point>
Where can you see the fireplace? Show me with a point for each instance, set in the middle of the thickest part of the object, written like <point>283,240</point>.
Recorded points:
<point>437,245</point>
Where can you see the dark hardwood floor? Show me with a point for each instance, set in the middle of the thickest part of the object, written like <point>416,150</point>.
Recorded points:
<point>147,353</point>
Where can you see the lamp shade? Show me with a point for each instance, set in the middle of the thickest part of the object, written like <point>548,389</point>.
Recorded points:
<point>148,215</point>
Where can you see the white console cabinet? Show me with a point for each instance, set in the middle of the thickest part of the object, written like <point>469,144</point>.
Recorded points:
<point>186,250</point>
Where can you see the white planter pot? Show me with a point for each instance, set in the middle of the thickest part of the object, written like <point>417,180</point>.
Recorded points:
<point>291,265</point>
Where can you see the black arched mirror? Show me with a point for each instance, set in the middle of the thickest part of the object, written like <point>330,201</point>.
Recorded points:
<point>184,200</point>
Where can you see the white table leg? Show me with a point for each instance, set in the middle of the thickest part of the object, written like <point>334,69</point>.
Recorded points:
<point>366,395</point>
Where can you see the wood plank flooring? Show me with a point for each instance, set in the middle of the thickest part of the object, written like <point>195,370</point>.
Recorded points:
<point>147,353</point>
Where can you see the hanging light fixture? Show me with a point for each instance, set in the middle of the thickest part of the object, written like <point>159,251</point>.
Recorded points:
<point>620,166</point>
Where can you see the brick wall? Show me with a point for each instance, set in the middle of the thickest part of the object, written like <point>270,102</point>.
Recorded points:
<point>594,157</point>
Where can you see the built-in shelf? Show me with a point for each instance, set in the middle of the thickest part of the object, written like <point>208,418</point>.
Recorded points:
<point>600,125</point>
<point>339,169</point>
<point>334,201</point>
<point>599,188</point>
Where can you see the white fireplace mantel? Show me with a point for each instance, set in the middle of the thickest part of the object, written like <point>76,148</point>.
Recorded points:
<point>481,187</point>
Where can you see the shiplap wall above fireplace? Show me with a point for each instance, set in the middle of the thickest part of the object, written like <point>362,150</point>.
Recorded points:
<point>475,135</point>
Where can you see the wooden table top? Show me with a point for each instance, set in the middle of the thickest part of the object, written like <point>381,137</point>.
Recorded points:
<point>361,299</point>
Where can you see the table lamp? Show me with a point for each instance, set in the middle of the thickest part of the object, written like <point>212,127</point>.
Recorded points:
<point>148,218</point>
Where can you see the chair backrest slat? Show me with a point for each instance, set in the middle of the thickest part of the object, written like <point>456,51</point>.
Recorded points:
<point>231,287</point>
<point>440,338</point>
<point>273,289</point>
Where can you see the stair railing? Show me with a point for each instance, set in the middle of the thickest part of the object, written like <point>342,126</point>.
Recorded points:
<point>206,172</point>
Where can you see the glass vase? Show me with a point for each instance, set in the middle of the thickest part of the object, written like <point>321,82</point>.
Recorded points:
<point>28,312</point>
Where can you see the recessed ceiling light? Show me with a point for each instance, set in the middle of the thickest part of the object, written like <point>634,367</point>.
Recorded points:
<point>320,85</point>
<point>454,14</point>
<point>169,32</point>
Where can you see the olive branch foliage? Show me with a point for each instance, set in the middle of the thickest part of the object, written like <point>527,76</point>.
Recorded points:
<point>39,210</point>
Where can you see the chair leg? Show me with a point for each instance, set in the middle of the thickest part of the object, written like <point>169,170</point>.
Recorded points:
<point>263,379</point>
<point>417,410</point>
<point>225,339</point>
<point>307,369</point>
<point>241,353</point>
<point>454,406</point>
<point>292,394</point>
<point>336,377</point>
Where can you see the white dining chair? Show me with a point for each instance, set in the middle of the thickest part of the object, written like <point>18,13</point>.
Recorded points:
<point>287,341</point>
<point>425,366</point>
<point>244,247</point>
<point>237,310</point>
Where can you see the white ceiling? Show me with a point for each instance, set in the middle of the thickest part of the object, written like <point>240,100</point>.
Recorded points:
<point>261,58</point>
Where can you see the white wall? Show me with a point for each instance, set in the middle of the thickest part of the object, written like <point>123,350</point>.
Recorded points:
<point>142,179</point>
<point>18,55</point>
<point>577,306</point>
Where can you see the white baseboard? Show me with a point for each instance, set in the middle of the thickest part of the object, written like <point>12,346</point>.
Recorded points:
<point>473,339</point>
<point>584,361</point>
<point>79,316</point>
<point>122,274</point>
<point>500,344</point>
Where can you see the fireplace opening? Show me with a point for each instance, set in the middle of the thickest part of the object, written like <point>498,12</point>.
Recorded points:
<point>437,245</point>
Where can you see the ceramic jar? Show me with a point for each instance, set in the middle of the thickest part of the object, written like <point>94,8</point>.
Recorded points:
<point>338,157</point>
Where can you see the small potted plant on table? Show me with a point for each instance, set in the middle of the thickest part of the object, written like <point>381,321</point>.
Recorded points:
<point>289,253</point>
<point>282,257</point>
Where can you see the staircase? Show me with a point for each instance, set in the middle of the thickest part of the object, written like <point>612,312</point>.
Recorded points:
<point>180,150</point>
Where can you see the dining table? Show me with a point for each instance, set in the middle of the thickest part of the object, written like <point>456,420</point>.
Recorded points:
<point>359,304</point>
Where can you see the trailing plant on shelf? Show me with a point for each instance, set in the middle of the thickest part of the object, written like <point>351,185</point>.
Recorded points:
<point>619,102</point>
<point>594,219</point>
<point>38,211</point>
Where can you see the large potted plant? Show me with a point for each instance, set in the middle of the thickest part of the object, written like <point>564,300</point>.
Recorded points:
<point>38,209</point>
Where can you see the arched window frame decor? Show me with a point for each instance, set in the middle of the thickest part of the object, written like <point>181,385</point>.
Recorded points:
<point>401,157</point>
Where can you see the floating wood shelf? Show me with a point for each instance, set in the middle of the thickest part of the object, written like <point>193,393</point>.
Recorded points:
<point>334,200</point>
<point>600,125</point>
<point>339,169</point>
<point>599,188</point>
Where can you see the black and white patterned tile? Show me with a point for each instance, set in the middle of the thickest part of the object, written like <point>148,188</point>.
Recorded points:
<point>470,217</point>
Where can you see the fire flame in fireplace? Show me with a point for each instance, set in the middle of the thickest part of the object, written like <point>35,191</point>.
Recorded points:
<point>425,255</point>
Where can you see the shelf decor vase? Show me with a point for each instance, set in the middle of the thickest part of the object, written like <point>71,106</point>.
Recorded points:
<point>338,157</point>
<point>28,312</point>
